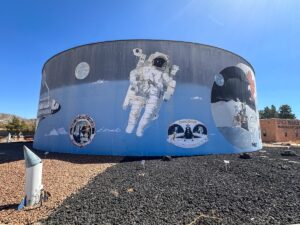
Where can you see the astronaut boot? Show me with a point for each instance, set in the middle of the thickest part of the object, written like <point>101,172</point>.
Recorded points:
<point>130,128</point>
<point>149,114</point>
<point>136,108</point>
<point>142,125</point>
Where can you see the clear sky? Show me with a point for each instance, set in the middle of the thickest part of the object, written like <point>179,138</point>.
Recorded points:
<point>265,32</point>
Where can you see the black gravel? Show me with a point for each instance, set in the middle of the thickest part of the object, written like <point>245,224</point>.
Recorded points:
<point>288,153</point>
<point>190,190</point>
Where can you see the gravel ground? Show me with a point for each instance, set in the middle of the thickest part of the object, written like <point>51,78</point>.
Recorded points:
<point>63,174</point>
<point>190,190</point>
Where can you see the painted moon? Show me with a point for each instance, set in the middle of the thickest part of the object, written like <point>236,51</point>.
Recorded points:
<point>219,79</point>
<point>82,70</point>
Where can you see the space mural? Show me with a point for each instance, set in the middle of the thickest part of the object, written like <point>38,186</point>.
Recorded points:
<point>151,83</point>
<point>233,105</point>
<point>158,107</point>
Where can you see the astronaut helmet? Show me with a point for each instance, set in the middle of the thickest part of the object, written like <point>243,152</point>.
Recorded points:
<point>159,60</point>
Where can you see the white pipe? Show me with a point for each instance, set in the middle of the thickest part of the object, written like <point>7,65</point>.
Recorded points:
<point>8,138</point>
<point>33,181</point>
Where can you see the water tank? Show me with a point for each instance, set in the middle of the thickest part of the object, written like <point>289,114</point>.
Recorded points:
<point>147,98</point>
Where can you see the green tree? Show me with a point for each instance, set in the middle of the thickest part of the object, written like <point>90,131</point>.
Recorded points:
<point>16,126</point>
<point>268,113</point>
<point>261,114</point>
<point>264,114</point>
<point>285,112</point>
<point>24,127</point>
<point>273,112</point>
<point>29,128</point>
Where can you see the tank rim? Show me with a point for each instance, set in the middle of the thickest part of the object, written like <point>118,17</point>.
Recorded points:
<point>130,40</point>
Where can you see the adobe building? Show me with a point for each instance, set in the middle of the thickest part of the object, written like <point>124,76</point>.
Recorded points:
<point>280,130</point>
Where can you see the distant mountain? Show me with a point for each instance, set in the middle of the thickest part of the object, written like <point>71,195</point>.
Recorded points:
<point>6,118</point>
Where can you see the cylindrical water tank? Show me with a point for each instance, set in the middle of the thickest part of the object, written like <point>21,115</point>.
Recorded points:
<point>147,98</point>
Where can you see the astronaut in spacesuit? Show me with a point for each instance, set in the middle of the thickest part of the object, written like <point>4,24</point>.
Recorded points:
<point>151,82</point>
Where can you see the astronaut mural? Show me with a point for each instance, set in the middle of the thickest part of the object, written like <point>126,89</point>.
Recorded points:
<point>147,98</point>
<point>234,105</point>
<point>151,83</point>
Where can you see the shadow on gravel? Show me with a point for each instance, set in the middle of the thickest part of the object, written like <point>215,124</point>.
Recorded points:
<point>162,158</point>
<point>189,190</point>
<point>9,206</point>
<point>10,152</point>
<point>139,158</point>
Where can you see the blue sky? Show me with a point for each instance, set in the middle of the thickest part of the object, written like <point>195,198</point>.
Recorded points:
<point>265,32</point>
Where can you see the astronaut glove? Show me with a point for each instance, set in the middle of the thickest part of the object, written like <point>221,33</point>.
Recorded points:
<point>174,70</point>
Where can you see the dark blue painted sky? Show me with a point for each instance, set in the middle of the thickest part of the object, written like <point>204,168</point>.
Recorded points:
<point>265,32</point>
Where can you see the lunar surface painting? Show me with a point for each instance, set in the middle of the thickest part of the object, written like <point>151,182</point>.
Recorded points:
<point>233,103</point>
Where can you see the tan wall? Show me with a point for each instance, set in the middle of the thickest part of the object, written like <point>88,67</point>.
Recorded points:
<point>268,130</point>
<point>287,130</point>
<point>280,130</point>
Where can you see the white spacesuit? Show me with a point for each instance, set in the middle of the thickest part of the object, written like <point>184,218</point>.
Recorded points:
<point>151,82</point>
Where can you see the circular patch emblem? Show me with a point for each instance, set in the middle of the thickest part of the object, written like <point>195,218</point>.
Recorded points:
<point>82,70</point>
<point>82,130</point>
<point>187,133</point>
